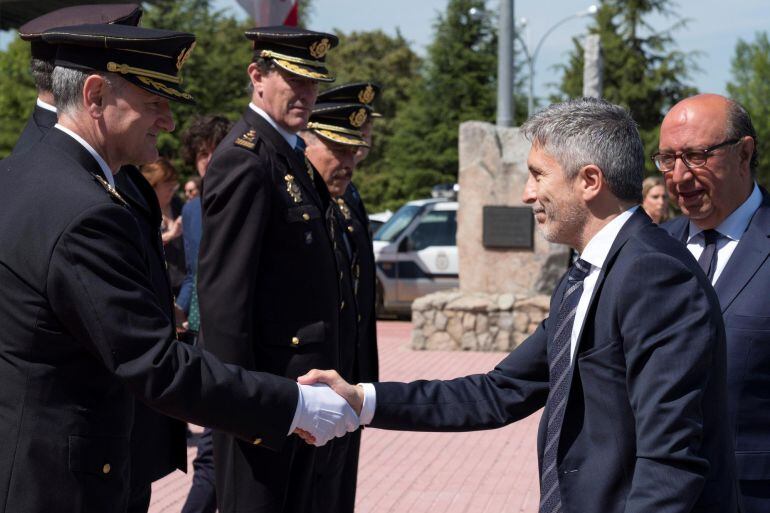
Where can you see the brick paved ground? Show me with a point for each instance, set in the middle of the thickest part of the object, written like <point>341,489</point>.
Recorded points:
<point>400,472</point>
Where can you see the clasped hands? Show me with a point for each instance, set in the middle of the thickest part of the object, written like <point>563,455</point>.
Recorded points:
<point>329,407</point>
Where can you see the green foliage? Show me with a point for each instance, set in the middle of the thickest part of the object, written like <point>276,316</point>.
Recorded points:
<point>641,71</point>
<point>215,74</point>
<point>751,88</point>
<point>458,84</point>
<point>390,62</point>
<point>17,94</point>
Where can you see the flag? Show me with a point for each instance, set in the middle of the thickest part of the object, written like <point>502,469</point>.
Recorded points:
<point>266,13</point>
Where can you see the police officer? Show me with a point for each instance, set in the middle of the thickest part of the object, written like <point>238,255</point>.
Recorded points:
<point>85,329</point>
<point>334,139</point>
<point>272,265</point>
<point>43,116</point>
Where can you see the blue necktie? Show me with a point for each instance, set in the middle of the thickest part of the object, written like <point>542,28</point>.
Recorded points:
<point>559,373</point>
<point>299,148</point>
<point>708,259</point>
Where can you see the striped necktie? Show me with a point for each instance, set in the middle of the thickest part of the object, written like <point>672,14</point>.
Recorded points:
<point>560,371</point>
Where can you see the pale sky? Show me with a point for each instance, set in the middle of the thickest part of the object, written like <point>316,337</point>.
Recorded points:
<point>714,29</point>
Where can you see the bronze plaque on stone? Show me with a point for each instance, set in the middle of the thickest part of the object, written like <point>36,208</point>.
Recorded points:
<point>508,227</point>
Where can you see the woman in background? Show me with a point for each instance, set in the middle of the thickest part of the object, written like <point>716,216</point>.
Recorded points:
<point>655,199</point>
<point>164,179</point>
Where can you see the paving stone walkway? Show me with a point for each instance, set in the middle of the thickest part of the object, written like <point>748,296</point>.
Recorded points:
<point>400,472</point>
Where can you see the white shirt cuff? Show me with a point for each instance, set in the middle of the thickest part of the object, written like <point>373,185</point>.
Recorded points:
<point>300,405</point>
<point>370,403</point>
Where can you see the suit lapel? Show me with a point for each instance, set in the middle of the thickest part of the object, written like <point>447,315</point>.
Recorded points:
<point>753,249</point>
<point>297,166</point>
<point>636,222</point>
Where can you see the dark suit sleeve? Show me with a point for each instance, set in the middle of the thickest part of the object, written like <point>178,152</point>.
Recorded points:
<point>517,387</point>
<point>670,337</point>
<point>236,205</point>
<point>98,287</point>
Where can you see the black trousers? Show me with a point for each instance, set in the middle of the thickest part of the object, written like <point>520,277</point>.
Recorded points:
<point>202,497</point>
<point>140,499</point>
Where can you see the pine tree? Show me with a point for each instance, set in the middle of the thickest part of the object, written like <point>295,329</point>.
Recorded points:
<point>17,94</point>
<point>389,61</point>
<point>642,71</point>
<point>459,84</point>
<point>751,88</point>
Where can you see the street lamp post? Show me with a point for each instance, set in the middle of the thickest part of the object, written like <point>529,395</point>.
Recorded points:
<point>530,57</point>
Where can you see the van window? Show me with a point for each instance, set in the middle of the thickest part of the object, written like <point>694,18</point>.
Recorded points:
<point>436,228</point>
<point>390,231</point>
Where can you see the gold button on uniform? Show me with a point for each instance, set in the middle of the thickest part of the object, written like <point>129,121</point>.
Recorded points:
<point>106,468</point>
<point>342,305</point>
<point>306,216</point>
<point>295,341</point>
<point>256,441</point>
<point>350,229</point>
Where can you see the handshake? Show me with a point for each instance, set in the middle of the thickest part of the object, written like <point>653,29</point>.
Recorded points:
<point>328,407</point>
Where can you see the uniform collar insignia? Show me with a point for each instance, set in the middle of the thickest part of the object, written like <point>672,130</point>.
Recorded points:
<point>113,192</point>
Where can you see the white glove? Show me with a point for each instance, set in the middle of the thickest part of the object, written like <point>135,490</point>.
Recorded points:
<point>324,414</point>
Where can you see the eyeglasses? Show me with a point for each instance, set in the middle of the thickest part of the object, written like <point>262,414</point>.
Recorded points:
<point>665,162</point>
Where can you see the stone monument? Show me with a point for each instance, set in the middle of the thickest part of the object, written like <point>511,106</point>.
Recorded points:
<point>507,271</point>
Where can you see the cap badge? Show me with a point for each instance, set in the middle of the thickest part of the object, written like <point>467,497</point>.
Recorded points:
<point>367,95</point>
<point>319,48</point>
<point>183,56</point>
<point>358,118</point>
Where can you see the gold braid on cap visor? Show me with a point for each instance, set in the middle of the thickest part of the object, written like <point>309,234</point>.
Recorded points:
<point>125,69</point>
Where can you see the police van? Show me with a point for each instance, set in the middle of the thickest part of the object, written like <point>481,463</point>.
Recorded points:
<point>416,253</point>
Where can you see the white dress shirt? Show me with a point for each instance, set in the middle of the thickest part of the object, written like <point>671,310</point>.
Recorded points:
<point>595,253</point>
<point>102,164</point>
<point>43,105</point>
<point>732,230</point>
<point>290,137</point>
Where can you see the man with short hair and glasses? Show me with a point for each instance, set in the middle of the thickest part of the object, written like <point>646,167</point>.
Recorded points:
<point>708,156</point>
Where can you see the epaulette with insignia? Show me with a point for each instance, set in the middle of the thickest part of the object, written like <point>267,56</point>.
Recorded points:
<point>113,192</point>
<point>247,140</point>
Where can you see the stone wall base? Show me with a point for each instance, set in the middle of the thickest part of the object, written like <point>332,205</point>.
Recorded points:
<point>475,321</point>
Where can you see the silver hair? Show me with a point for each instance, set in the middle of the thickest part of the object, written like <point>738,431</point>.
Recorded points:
<point>586,131</point>
<point>67,86</point>
<point>739,125</point>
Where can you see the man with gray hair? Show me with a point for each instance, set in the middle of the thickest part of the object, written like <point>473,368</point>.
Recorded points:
<point>86,312</point>
<point>629,364</point>
<point>42,54</point>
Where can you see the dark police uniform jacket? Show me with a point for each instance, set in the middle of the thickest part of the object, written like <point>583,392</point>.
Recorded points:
<point>84,334</point>
<point>158,442</point>
<point>273,297</point>
<point>39,123</point>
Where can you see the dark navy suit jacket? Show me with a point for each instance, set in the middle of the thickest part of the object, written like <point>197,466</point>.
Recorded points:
<point>644,424</point>
<point>743,289</point>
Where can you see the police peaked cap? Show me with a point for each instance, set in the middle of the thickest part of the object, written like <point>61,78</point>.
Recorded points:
<point>148,58</point>
<point>298,51</point>
<point>32,31</point>
<point>340,122</point>
<point>355,92</point>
